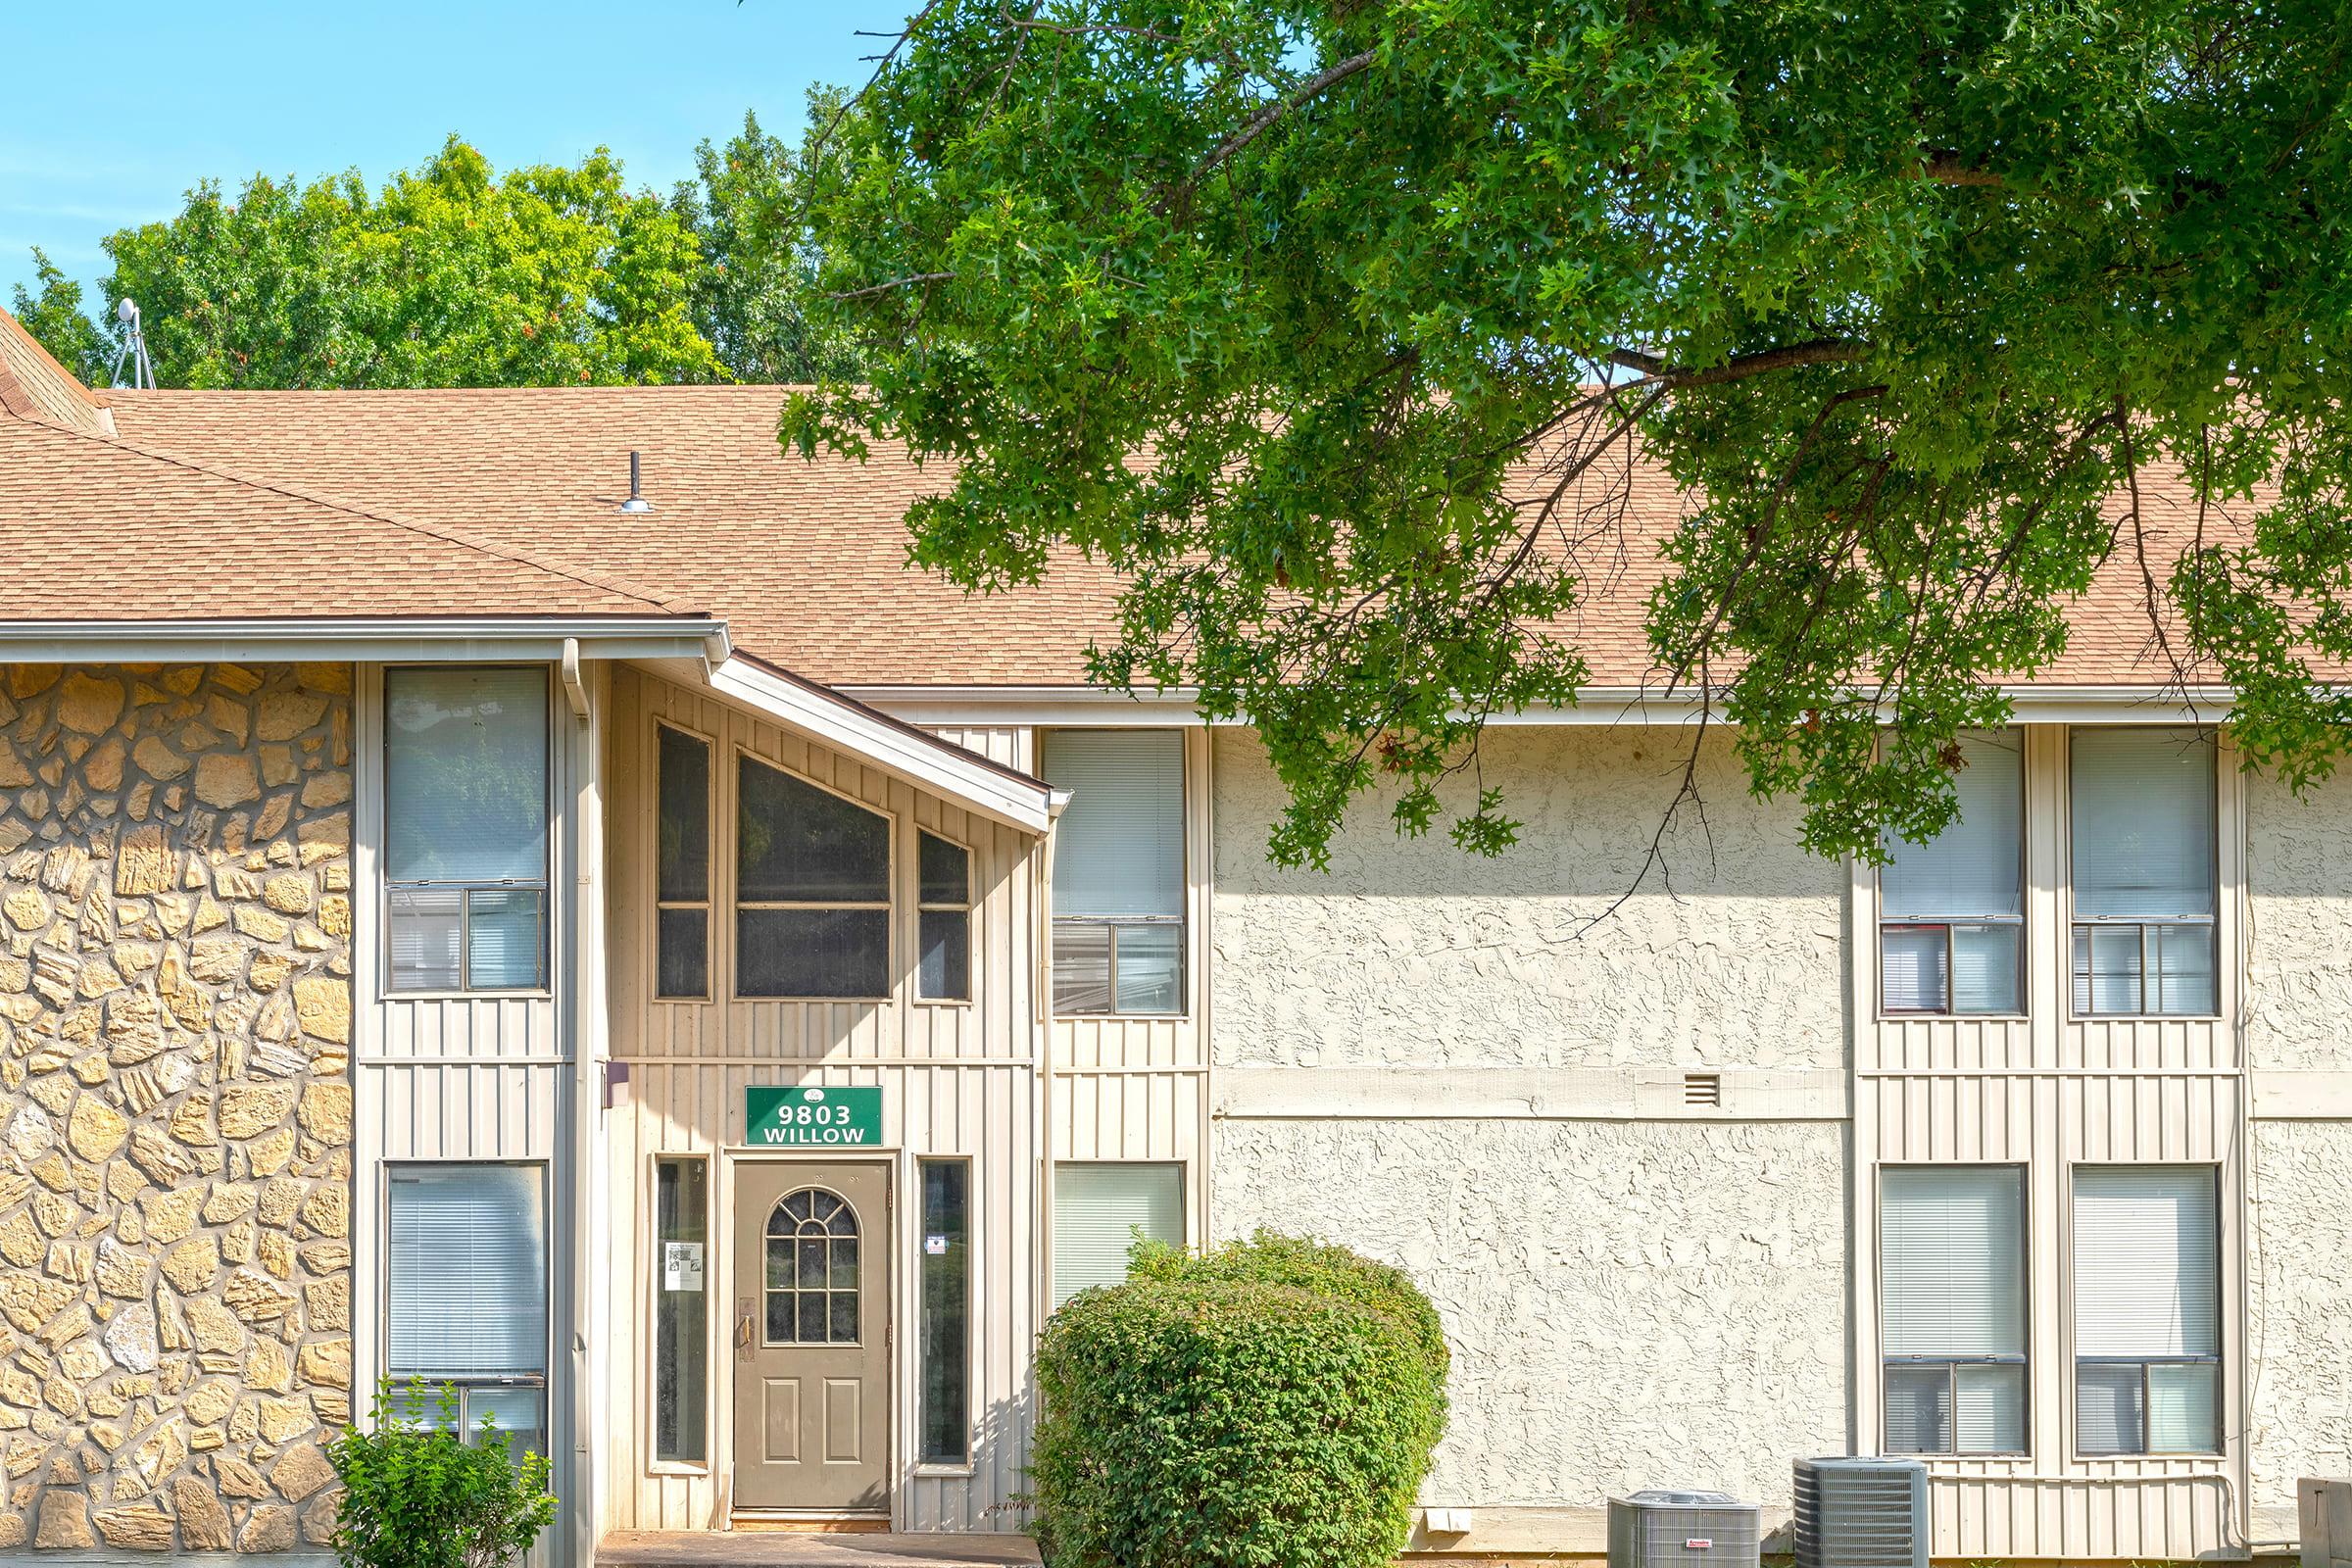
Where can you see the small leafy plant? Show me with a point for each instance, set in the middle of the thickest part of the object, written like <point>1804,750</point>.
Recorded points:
<point>421,1496</point>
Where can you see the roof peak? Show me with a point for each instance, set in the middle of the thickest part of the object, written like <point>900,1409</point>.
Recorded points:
<point>34,386</point>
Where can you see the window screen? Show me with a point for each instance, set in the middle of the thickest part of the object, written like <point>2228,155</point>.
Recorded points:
<point>812,890</point>
<point>467,1271</point>
<point>465,828</point>
<point>944,920</point>
<point>1097,1209</point>
<point>1952,1287</point>
<point>1118,870</point>
<point>1951,911</point>
<point>2144,810</point>
<point>2147,1309</point>
<point>682,868</point>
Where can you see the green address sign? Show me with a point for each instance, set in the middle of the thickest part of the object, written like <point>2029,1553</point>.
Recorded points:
<point>812,1117</point>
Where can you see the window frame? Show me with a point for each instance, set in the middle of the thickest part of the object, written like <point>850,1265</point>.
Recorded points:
<point>737,903</point>
<point>713,1322</point>
<point>969,909</point>
<point>2219,1360</point>
<point>2020,921</point>
<point>1952,1364</point>
<point>2211,923</point>
<point>386,885</point>
<point>971,1317</point>
<point>541,1383</point>
<point>1182,922</point>
<point>1054,1167</point>
<point>709,903</point>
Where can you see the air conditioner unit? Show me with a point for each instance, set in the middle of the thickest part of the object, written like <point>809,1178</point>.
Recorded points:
<point>1861,1513</point>
<point>1683,1530</point>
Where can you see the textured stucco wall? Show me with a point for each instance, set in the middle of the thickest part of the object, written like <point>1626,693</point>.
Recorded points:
<point>1630,1303</point>
<point>1409,951</point>
<point>175,1104</point>
<point>2299,1016</point>
<point>1636,1304</point>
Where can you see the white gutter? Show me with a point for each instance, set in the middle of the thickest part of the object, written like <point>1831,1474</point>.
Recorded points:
<point>816,713</point>
<point>366,639</point>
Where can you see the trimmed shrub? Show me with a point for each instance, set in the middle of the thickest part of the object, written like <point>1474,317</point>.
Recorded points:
<point>422,1496</point>
<point>1272,1404</point>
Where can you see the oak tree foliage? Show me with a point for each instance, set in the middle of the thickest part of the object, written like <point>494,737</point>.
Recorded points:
<point>1329,322</point>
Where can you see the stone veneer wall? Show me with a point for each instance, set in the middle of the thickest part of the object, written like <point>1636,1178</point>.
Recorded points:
<point>175,1104</point>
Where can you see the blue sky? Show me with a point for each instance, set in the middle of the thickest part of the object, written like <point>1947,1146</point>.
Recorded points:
<point>125,106</point>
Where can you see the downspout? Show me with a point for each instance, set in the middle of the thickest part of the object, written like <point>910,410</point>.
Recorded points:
<point>1040,970</point>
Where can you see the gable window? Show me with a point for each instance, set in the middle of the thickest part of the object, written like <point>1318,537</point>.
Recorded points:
<point>812,890</point>
<point>2147,1309</point>
<point>465,828</point>
<point>1118,870</point>
<point>682,869</point>
<point>2145,829</point>
<point>465,1292</point>
<point>1952,1287</point>
<point>1952,911</point>
<point>943,970</point>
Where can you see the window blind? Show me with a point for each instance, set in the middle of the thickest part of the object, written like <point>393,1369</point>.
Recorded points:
<point>1952,1257</point>
<point>468,1271</point>
<point>2146,1260</point>
<point>1974,866</point>
<point>1097,1208</point>
<point>1119,846</point>
<point>466,774</point>
<point>2144,822</point>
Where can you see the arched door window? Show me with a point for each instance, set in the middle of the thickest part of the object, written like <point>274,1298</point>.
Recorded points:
<point>811,1270</point>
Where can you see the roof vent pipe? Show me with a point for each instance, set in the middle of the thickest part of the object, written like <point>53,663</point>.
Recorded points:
<point>636,501</point>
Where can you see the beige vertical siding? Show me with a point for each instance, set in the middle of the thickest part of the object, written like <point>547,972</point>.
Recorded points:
<point>958,1080</point>
<point>2049,1092</point>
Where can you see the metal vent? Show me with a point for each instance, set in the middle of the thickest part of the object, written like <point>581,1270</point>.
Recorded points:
<point>1702,1088</point>
<point>1861,1513</point>
<point>1683,1530</point>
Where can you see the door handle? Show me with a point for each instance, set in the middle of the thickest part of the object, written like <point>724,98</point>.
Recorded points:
<point>743,1326</point>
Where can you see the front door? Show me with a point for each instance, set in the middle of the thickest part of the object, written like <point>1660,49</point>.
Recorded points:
<point>811,1335</point>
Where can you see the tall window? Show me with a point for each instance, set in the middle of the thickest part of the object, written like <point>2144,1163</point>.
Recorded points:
<point>812,890</point>
<point>942,969</point>
<point>466,1272</point>
<point>681,1312</point>
<point>466,819</point>
<point>947,1282</point>
<point>1118,870</point>
<point>2147,1309</point>
<point>682,869</point>
<point>1952,1284</point>
<point>2143,870</point>
<point>1100,1210</point>
<point>1952,911</point>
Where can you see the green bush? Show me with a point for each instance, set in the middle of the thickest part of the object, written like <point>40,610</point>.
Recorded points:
<point>1272,1404</point>
<point>421,1497</point>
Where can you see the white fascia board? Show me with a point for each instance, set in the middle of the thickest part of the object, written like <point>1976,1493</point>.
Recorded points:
<point>457,639</point>
<point>1069,707</point>
<point>889,743</point>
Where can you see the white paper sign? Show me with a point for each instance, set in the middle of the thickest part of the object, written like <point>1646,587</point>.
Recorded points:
<point>936,1246</point>
<point>681,1265</point>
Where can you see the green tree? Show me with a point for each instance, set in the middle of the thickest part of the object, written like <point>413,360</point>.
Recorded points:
<point>56,320</point>
<point>1916,296</point>
<point>451,275</point>
<point>752,297</point>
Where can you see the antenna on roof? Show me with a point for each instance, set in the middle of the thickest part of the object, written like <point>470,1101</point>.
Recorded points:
<point>134,348</point>
<point>636,501</point>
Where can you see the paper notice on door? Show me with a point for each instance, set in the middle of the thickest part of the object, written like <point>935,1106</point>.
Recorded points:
<point>934,1246</point>
<point>681,1265</point>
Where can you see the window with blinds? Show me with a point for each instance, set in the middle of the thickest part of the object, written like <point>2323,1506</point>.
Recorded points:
<point>1099,1210</point>
<point>465,1290</point>
<point>465,828</point>
<point>1952,911</point>
<point>812,890</point>
<point>2144,842</point>
<point>1118,870</point>
<point>2147,1309</point>
<point>1952,1294</point>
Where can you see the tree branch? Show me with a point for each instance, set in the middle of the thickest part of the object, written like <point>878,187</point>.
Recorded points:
<point>896,283</point>
<point>1256,124</point>
<point>1656,372</point>
<point>1940,166</point>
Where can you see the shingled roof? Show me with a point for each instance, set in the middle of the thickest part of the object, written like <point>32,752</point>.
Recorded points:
<point>473,500</point>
